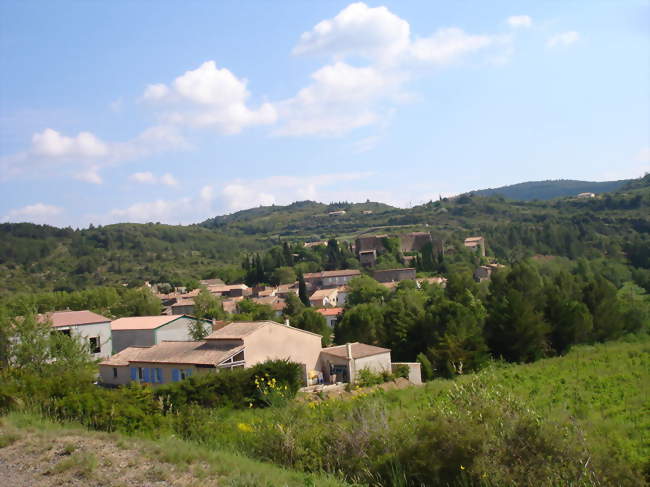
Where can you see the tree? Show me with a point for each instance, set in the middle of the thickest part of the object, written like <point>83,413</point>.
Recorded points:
<point>364,289</point>
<point>283,275</point>
<point>361,323</point>
<point>302,291</point>
<point>293,306</point>
<point>515,328</point>
<point>312,320</point>
<point>198,330</point>
<point>207,305</point>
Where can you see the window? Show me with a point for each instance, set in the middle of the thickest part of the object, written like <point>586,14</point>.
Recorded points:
<point>185,373</point>
<point>157,377</point>
<point>140,373</point>
<point>95,347</point>
<point>114,372</point>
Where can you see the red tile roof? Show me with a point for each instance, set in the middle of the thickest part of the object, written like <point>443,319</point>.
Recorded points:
<point>330,311</point>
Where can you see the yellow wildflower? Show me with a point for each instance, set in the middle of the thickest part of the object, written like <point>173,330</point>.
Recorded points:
<point>246,428</point>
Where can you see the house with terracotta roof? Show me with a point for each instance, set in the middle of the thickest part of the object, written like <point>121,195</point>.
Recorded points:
<point>238,344</point>
<point>332,315</point>
<point>91,328</point>
<point>144,331</point>
<point>324,298</point>
<point>183,307</point>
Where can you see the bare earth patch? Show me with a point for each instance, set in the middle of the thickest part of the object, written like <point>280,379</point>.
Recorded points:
<point>40,459</point>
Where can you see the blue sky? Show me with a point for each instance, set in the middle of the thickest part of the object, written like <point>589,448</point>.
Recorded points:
<point>178,111</point>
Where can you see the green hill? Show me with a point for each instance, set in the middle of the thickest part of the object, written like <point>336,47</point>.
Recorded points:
<point>547,190</point>
<point>41,257</point>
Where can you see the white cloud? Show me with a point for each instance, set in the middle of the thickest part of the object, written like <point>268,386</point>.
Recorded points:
<point>85,154</point>
<point>344,96</point>
<point>36,213</point>
<point>448,45</point>
<point>366,144</point>
<point>563,39</point>
<point>341,98</point>
<point>211,97</point>
<point>155,92</point>
<point>147,177</point>
<point>242,194</point>
<point>168,180</point>
<point>518,21</point>
<point>51,143</point>
<point>358,30</point>
<point>176,211</point>
<point>89,175</point>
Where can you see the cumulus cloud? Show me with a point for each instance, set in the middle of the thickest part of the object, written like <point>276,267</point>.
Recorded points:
<point>51,143</point>
<point>344,96</point>
<point>563,39</point>
<point>36,213</point>
<point>341,98</point>
<point>241,194</point>
<point>210,97</point>
<point>358,30</point>
<point>147,177</point>
<point>519,21</point>
<point>84,155</point>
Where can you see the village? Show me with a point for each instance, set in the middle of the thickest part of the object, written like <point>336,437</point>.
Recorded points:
<point>161,349</point>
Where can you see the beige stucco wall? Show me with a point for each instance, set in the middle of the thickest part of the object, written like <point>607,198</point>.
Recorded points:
<point>415,373</point>
<point>124,372</point>
<point>281,342</point>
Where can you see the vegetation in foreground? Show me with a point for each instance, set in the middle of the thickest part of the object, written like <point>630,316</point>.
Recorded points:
<point>580,419</point>
<point>41,453</point>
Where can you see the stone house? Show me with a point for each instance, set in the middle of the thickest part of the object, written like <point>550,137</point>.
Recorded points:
<point>477,244</point>
<point>324,279</point>
<point>395,275</point>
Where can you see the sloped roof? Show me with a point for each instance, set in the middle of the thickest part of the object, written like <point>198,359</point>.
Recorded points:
<point>341,272</point>
<point>144,322</point>
<point>323,293</point>
<point>239,329</point>
<point>194,353</point>
<point>72,318</point>
<point>359,350</point>
<point>330,311</point>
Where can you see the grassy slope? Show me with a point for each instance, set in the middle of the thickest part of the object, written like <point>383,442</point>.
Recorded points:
<point>605,388</point>
<point>546,190</point>
<point>44,453</point>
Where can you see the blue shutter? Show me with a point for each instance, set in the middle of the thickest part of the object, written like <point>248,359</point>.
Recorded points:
<point>145,376</point>
<point>134,373</point>
<point>159,376</point>
<point>188,373</point>
<point>176,376</point>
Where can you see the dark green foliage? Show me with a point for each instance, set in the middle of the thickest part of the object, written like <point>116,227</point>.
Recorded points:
<point>233,388</point>
<point>311,320</point>
<point>546,190</point>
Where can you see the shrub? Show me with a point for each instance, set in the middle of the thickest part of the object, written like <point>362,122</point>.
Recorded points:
<point>367,378</point>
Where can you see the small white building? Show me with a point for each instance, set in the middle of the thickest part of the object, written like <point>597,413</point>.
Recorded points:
<point>145,331</point>
<point>345,361</point>
<point>91,328</point>
<point>332,315</point>
<point>324,298</point>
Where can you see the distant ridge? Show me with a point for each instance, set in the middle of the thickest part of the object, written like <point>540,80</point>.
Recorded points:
<point>547,190</point>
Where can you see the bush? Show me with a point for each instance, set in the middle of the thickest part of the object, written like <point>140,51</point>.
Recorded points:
<point>367,378</point>
<point>238,388</point>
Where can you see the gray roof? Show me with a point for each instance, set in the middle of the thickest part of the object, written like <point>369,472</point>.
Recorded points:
<point>194,353</point>
<point>359,350</point>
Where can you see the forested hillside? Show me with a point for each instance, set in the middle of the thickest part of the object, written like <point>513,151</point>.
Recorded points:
<point>547,190</point>
<point>614,226</point>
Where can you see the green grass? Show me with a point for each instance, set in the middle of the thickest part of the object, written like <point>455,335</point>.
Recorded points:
<point>231,469</point>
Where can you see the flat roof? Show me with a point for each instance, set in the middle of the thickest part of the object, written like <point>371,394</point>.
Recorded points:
<point>359,350</point>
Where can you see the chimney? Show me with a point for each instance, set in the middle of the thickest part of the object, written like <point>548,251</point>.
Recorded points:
<point>348,347</point>
<point>286,322</point>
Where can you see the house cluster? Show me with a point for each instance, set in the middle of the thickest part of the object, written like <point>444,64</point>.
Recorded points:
<point>368,248</point>
<point>160,349</point>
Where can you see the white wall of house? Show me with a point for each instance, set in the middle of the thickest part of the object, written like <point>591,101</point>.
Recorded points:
<point>100,331</point>
<point>375,363</point>
<point>341,298</point>
<point>177,330</point>
<point>280,342</point>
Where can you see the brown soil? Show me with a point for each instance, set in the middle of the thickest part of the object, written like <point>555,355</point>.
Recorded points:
<point>40,459</point>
